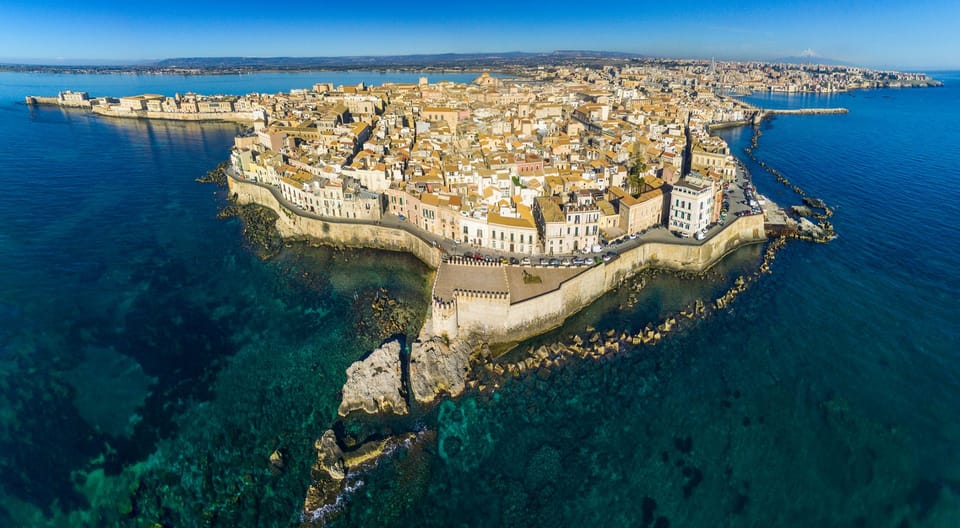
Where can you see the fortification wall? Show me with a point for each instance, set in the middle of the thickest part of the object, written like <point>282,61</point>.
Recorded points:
<point>41,100</point>
<point>234,117</point>
<point>491,314</point>
<point>499,321</point>
<point>335,233</point>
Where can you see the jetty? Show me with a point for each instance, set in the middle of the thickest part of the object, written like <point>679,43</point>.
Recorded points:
<point>756,114</point>
<point>761,113</point>
<point>805,111</point>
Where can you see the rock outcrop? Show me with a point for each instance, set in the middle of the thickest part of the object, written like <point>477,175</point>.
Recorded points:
<point>436,368</point>
<point>328,473</point>
<point>259,226</point>
<point>375,384</point>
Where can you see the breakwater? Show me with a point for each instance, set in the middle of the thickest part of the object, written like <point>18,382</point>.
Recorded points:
<point>823,230</point>
<point>806,111</point>
<point>756,114</point>
<point>760,114</point>
<point>590,344</point>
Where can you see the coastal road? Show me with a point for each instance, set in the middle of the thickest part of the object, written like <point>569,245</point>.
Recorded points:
<point>735,196</point>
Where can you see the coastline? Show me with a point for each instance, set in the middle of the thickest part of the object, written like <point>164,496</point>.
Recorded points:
<point>448,362</point>
<point>245,118</point>
<point>462,336</point>
<point>492,309</point>
<point>820,301</point>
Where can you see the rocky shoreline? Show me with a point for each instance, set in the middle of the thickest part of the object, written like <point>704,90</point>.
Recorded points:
<point>820,232</point>
<point>259,222</point>
<point>382,398</point>
<point>216,176</point>
<point>389,392</point>
<point>259,227</point>
<point>542,362</point>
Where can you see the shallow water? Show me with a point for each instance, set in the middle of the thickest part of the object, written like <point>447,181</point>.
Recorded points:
<point>149,363</point>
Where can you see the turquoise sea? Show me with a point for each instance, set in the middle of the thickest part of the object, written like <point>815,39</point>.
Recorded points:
<point>150,363</point>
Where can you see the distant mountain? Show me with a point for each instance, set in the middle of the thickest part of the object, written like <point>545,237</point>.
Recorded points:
<point>808,60</point>
<point>440,60</point>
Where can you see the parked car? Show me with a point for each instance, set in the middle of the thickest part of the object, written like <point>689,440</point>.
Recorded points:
<point>554,262</point>
<point>526,261</point>
<point>577,261</point>
<point>514,261</point>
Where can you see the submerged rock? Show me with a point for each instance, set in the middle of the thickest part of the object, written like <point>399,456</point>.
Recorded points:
<point>216,176</point>
<point>374,385</point>
<point>328,473</point>
<point>436,368</point>
<point>259,226</point>
<point>277,462</point>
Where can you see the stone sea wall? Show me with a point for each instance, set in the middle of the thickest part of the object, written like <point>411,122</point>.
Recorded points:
<point>493,316</point>
<point>499,321</point>
<point>234,117</point>
<point>335,233</point>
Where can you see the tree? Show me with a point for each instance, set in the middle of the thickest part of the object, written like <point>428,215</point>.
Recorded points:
<point>635,174</point>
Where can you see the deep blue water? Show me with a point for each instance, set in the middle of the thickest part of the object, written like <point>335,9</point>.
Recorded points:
<point>18,84</point>
<point>149,363</point>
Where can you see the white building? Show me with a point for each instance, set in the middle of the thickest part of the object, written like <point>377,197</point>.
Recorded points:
<point>691,206</point>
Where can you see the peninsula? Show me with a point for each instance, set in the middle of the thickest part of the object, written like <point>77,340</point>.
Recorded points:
<point>529,197</point>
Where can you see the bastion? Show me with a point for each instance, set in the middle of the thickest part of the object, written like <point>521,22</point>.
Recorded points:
<point>493,300</point>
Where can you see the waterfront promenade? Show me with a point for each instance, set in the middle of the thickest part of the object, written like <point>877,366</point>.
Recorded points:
<point>454,248</point>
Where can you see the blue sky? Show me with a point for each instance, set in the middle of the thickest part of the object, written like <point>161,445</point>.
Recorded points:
<point>879,33</point>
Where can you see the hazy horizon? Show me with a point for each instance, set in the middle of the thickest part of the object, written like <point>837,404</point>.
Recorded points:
<point>94,62</point>
<point>881,34</point>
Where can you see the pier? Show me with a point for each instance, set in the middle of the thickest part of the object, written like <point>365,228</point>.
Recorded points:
<point>757,114</point>
<point>761,114</point>
<point>805,111</point>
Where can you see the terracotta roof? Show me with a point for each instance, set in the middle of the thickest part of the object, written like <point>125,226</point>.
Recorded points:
<point>494,218</point>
